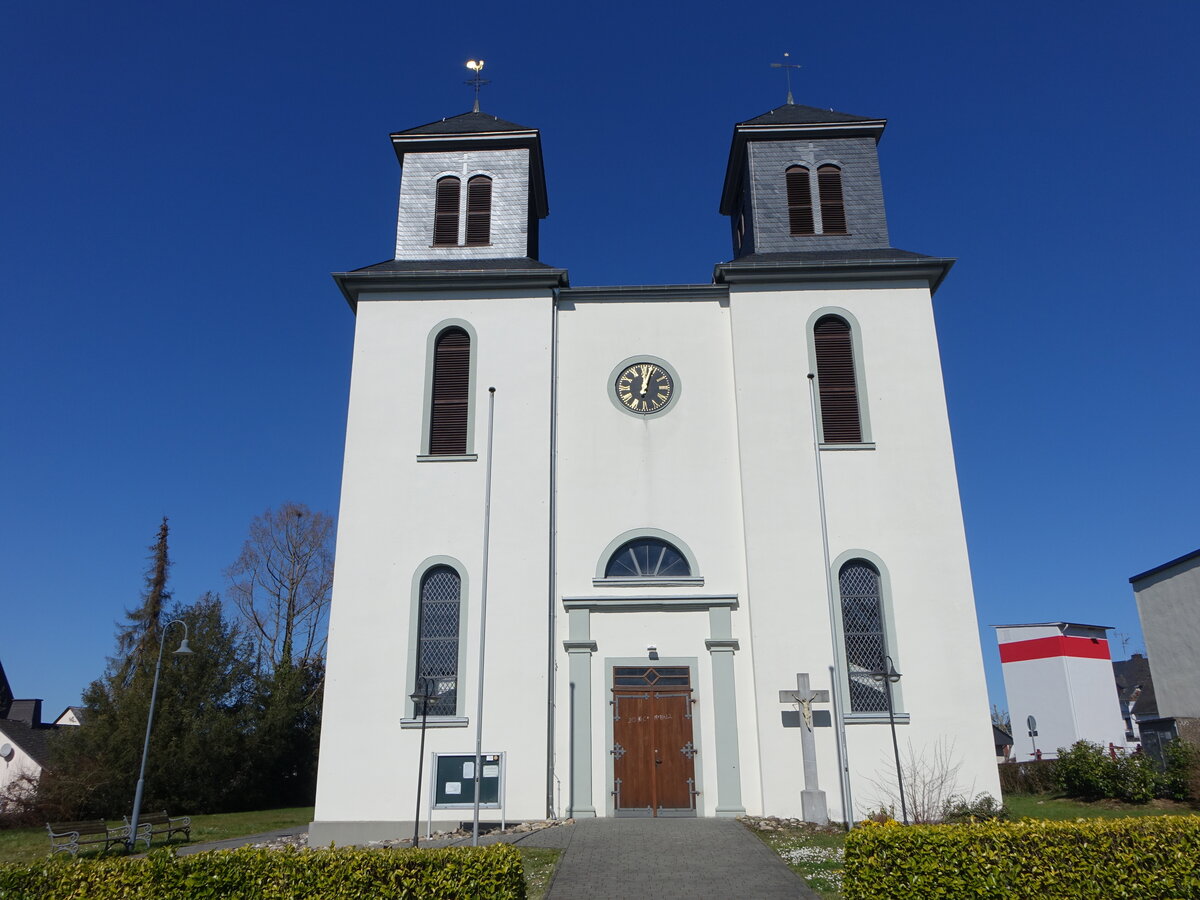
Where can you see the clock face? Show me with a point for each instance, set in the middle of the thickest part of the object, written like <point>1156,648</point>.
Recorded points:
<point>644,388</point>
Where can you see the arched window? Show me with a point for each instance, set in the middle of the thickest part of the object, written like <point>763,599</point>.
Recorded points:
<point>479,211</point>
<point>864,634</point>
<point>836,381</point>
<point>437,637</point>
<point>450,393</point>
<point>445,212</point>
<point>647,557</point>
<point>833,210</point>
<point>799,198</point>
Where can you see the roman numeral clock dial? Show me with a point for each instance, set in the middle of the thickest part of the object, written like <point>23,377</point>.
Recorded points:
<point>644,388</point>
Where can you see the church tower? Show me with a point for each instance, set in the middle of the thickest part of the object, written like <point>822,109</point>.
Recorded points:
<point>707,500</point>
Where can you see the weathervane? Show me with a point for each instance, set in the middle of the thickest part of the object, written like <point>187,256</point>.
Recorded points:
<point>783,65</point>
<point>476,66</point>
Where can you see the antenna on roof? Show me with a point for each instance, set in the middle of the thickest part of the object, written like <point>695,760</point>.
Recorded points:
<point>788,67</point>
<point>476,66</point>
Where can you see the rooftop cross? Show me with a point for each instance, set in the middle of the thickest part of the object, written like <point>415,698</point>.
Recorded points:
<point>783,65</point>
<point>476,66</point>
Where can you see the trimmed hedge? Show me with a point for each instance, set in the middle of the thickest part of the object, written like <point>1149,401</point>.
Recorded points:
<point>494,872</point>
<point>1150,857</point>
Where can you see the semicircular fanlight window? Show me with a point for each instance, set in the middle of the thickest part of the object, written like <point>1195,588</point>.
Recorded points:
<point>647,558</point>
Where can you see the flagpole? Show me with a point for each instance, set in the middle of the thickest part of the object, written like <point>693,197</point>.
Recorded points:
<point>487,527</point>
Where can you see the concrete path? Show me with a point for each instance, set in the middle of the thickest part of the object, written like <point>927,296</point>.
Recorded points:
<point>234,843</point>
<point>670,858</point>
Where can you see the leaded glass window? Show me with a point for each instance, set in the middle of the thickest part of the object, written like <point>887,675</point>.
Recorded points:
<point>437,636</point>
<point>863,632</point>
<point>647,558</point>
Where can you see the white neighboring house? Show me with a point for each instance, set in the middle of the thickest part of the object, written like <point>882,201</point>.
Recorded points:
<point>1060,673</point>
<point>664,558</point>
<point>23,746</point>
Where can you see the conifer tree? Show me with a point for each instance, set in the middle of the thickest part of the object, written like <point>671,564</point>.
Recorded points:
<point>140,633</point>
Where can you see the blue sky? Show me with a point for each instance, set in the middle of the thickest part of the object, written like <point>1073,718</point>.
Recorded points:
<point>178,180</point>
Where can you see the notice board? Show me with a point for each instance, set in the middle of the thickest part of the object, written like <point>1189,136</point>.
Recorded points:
<point>454,780</point>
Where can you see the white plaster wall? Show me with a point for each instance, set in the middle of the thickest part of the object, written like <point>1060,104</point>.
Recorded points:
<point>1096,704</point>
<point>1169,608</point>
<point>397,512</point>
<point>898,501</point>
<point>676,472</point>
<point>1041,688</point>
<point>18,764</point>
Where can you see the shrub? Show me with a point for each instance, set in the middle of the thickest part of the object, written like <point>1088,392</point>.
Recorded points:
<point>1150,857</point>
<point>494,872</point>
<point>1084,771</point>
<point>1134,778</point>
<point>984,808</point>
<point>1035,776</point>
<point>1181,781</point>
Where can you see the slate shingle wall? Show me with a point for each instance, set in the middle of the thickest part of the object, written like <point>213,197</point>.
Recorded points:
<point>862,193</point>
<point>509,170</point>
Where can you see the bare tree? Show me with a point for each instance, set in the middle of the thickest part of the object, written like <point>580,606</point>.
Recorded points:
<point>281,584</point>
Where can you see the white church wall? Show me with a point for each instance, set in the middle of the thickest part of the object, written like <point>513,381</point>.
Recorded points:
<point>908,478</point>
<point>392,519</point>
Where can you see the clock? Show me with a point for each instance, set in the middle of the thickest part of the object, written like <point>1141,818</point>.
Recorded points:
<point>644,387</point>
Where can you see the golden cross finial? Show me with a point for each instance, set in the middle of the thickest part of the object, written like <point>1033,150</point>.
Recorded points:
<point>476,66</point>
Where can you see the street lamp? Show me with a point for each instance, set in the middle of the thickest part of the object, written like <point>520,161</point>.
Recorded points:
<point>429,690</point>
<point>184,650</point>
<point>889,677</point>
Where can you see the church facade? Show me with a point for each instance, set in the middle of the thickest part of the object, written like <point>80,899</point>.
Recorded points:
<point>694,495</point>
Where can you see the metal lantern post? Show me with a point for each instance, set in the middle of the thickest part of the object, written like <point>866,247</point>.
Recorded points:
<point>184,650</point>
<point>424,694</point>
<point>889,677</point>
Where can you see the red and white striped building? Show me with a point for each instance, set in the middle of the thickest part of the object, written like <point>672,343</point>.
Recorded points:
<point>1061,674</point>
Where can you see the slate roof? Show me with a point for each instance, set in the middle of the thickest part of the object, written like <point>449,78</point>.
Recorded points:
<point>798,114</point>
<point>34,741</point>
<point>453,265</point>
<point>467,123</point>
<point>1131,674</point>
<point>6,694</point>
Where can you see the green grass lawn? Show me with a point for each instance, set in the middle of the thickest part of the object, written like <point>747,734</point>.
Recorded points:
<point>27,844</point>
<point>812,852</point>
<point>1051,806</point>
<point>539,869</point>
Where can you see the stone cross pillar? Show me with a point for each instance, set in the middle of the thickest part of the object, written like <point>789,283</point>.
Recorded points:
<point>812,798</point>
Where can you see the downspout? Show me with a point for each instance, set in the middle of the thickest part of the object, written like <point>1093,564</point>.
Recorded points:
<point>552,578</point>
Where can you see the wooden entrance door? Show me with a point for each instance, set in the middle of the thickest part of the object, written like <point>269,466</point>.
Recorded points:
<point>654,771</point>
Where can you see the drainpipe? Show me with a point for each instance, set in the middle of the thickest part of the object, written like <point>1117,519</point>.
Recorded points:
<point>552,579</point>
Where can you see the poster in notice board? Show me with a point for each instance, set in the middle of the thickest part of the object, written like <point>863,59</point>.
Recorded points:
<point>454,780</point>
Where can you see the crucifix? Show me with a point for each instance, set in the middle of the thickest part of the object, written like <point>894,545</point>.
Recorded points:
<point>476,66</point>
<point>788,67</point>
<point>812,798</point>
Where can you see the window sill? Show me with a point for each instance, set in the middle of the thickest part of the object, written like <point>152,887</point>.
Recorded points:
<point>436,722</point>
<point>458,457</point>
<point>680,581</point>
<point>870,446</point>
<point>875,719</point>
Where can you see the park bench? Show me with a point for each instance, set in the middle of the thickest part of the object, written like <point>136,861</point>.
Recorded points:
<point>74,836</point>
<point>159,823</point>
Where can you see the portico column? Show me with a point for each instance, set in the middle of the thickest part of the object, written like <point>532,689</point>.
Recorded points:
<point>579,649</point>
<point>721,647</point>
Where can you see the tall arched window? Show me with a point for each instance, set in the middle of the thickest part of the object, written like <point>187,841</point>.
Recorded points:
<point>647,557</point>
<point>864,634</point>
<point>836,381</point>
<point>437,637</point>
<point>445,212</point>
<point>450,393</point>
<point>833,210</point>
<point>479,211</point>
<point>799,198</point>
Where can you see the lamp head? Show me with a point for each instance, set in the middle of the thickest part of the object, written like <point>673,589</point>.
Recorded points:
<point>184,649</point>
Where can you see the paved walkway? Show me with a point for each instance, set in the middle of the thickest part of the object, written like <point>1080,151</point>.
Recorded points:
<point>667,859</point>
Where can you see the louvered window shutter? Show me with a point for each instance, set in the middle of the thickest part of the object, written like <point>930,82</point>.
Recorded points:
<point>799,196</point>
<point>833,210</point>
<point>445,212</point>
<point>451,393</point>
<point>479,211</point>
<point>840,422</point>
